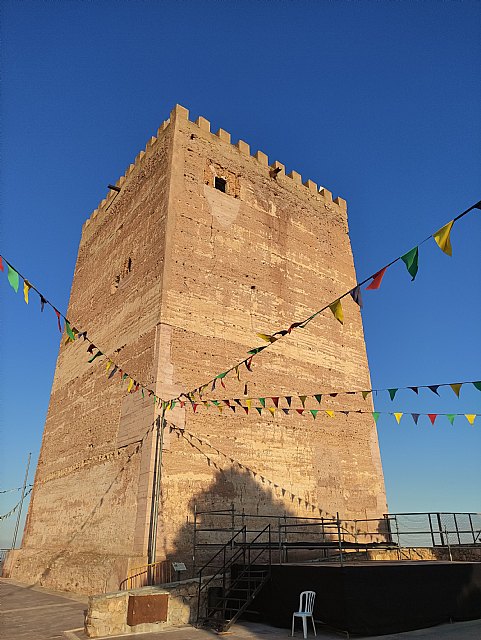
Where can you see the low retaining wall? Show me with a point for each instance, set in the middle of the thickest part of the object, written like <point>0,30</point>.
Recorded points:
<point>143,610</point>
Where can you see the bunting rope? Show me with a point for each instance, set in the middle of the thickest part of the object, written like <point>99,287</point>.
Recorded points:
<point>189,437</point>
<point>442,237</point>
<point>12,511</point>
<point>12,490</point>
<point>13,276</point>
<point>455,386</point>
<point>470,417</point>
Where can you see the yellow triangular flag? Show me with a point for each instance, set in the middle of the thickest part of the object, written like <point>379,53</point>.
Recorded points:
<point>26,288</point>
<point>108,365</point>
<point>248,403</point>
<point>330,413</point>
<point>456,387</point>
<point>131,384</point>
<point>266,337</point>
<point>336,309</point>
<point>443,240</point>
<point>365,394</point>
<point>470,417</point>
<point>272,410</point>
<point>398,417</point>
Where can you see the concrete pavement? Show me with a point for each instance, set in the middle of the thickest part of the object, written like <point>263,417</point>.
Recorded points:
<point>34,613</point>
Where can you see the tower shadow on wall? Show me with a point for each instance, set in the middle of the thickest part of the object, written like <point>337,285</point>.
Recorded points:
<point>235,499</point>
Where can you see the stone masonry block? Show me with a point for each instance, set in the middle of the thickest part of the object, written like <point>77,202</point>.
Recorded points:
<point>223,135</point>
<point>278,165</point>
<point>312,186</point>
<point>244,147</point>
<point>341,202</point>
<point>325,193</point>
<point>262,158</point>
<point>202,123</point>
<point>179,112</point>
<point>296,177</point>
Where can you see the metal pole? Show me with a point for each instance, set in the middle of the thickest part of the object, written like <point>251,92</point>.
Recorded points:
<point>157,480</point>
<point>14,542</point>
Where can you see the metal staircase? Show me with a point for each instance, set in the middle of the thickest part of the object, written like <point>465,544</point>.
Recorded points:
<point>229,591</point>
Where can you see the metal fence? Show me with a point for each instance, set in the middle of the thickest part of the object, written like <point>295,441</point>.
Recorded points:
<point>435,529</point>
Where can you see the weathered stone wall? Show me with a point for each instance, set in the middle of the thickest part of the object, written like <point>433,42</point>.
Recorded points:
<point>266,252</point>
<point>91,496</point>
<point>173,280</point>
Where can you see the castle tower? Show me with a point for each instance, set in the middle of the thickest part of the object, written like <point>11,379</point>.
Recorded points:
<point>203,247</point>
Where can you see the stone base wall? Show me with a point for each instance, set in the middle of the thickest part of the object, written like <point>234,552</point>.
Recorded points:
<point>458,554</point>
<point>108,614</point>
<point>84,573</point>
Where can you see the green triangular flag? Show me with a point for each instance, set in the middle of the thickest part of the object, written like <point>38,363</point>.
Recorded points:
<point>477,385</point>
<point>69,331</point>
<point>392,393</point>
<point>99,353</point>
<point>262,401</point>
<point>314,412</point>
<point>410,259</point>
<point>13,278</point>
<point>375,415</point>
<point>450,417</point>
<point>259,410</point>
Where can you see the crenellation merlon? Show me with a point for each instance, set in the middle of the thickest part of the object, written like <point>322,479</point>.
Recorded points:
<point>181,113</point>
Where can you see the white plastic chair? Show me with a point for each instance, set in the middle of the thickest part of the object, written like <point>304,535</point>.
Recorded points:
<point>306,607</point>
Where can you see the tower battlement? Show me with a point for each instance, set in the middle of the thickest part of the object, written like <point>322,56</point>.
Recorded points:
<point>204,126</point>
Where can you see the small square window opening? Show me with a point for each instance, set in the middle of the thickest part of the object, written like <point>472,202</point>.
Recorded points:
<point>220,184</point>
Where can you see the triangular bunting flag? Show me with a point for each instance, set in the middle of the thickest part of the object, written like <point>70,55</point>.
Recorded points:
<point>267,337</point>
<point>398,417</point>
<point>131,384</point>
<point>337,311</point>
<point>470,417</point>
<point>356,295</point>
<point>434,388</point>
<point>415,417</point>
<point>330,413</point>
<point>477,385</point>
<point>288,400</point>
<point>259,410</point>
<point>13,278</point>
<point>300,411</point>
<point>365,394</point>
<point>410,259</point>
<point>1,264</point>
<point>99,353</point>
<point>42,305</point>
<point>377,279</point>
<point>70,333</point>
<point>262,401</point>
<point>443,238</point>
<point>318,397</point>
<point>303,400</point>
<point>286,411</point>
<point>415,389</point>
<point>375,415</point>
<point>108,365</point>
<point>248,403</point>
<point>432,417</point>
<point>57,313</point>
<point>272,410</point>
<point>314,412</point>
<point>26,288</point>
<point>392,393</point>
<point>113,372</point>
<point>456,387</point>
<point>450,417</point>
<point>275,401</point>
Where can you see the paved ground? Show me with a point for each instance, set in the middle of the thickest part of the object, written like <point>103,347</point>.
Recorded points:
<point>33,613</point>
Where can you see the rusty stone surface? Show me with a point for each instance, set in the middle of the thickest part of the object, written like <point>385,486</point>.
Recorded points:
<point>174,279</point>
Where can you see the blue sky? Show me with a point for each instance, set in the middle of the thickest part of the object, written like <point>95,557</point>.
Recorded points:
<point>378,102</point>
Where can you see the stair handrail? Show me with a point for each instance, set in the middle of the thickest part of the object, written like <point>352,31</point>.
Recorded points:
<point>246,546</point>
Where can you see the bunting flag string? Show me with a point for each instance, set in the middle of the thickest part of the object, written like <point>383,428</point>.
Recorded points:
<point>332,413</point>
<point>276,487</point>
<point>12,511</point>
<point>12,490</point>
<point>442,238</point>
<point>262,400</point>
<point>73,334</point>
<point>410,259</point>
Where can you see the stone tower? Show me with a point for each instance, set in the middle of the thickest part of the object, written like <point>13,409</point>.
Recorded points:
<point>203,247</point>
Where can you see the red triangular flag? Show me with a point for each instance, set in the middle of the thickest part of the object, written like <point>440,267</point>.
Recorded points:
<point>275,401</point>
<point>377,279</point>
<point>1,264</point>
<point>57,313</point>
<point>432,417</point>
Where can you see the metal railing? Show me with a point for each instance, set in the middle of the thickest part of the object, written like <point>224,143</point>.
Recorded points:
<point>436,529</point>
<point>147,575</point>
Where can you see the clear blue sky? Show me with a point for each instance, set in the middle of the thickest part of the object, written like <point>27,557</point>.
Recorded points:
<point>380,102</point>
